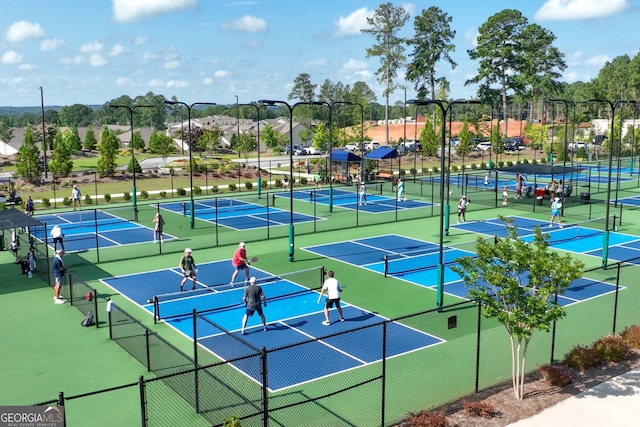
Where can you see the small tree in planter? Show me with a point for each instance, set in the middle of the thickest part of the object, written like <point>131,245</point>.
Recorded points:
<point>163,194</point>
<point>303,180</point>
<point>107,198</point>
<point>233,187</point>
<point>46,202</point>
<point>88,200</point>
<point>197,190</point>
<point>248,185</point>
<point>66,201</point>
<point>215,189</point>
<point>127,196</point>
<point>181,191</point>
<point>413,172</point>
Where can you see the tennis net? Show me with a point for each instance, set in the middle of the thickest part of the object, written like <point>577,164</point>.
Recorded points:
<point>400,264</point>
<point>576,230</point>
<point>223,296</point>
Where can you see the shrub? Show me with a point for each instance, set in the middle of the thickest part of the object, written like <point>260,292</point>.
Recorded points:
<point>555,375</point>
<point>483,165</point>
<point>278,183</point>
<point>500,164</point>
<point>543,160</point>
<point>214,189</point>
<point>144,194</point>
<point>474,166</point>
<point>233,187</point>
<point>428,419</point>
<point>248,185</point>
<point>232,421</point>
<point>612,348</point>
<point>88,200</point>
<point>454,168</point>
<point>181,191</point>
<point>66,201</point>
<point>436,169</point>
<point>402,172</point>
<point>582,357</point>
<point>631,335</point>
<point>127,196</point>
<point>107,198</point>
<point>197,190</point>
<point>303,180</point>
<point>509,163</point>
<point>525,161</point>
<point>479,409</point>
<point>46,202</point>
<point>264,183</point>
<point>163,194</point>
<point>413,171</point>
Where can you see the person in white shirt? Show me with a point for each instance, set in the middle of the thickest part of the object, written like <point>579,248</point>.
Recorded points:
<point>58,237</point>
<point>75,197</point>
<point>333,288</point>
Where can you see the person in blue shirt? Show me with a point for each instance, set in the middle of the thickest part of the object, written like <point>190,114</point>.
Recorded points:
<point>58,273</point>
<point>555,211</point>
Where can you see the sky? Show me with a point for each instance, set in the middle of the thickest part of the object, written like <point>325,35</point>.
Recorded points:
<point>90,52</point>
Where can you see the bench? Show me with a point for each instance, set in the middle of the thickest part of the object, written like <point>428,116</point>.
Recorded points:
<point>385,174</point>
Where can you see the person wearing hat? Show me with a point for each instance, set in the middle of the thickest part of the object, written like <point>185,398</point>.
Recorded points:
<point>555,211</point>
<point>75,197</point>
<point>240,262</point>
<point>462,208</point>
<point>188,267</point>
<point>254,299</point>
<point>58,274</point>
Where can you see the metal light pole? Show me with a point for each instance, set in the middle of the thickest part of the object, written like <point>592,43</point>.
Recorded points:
<point>620,146</point>
<point>291,228</point>
<point>133,158</point>
<point>189,107</point>
<point>331,142</point>
<point>605,243</point>
<point>44,135</point>
<point>440,270</point>
<point>257,107</point>
<point>564,155</point>
<point>237,120</point>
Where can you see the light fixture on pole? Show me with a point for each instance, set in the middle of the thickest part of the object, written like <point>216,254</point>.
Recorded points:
<point>189,107</point>
<point>291,228</point>
<point>44,135</point>
<point>605,244</point>
<point>440,269</point>
<point>133,158</point>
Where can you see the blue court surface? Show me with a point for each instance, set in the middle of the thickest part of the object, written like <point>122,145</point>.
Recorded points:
<point>415,261</point>
<point>375,203</point>
<point>578,238</point>
<point>293,316</point>
<point>89,229</point>
<point>237,214</point>
<point>632,200</point>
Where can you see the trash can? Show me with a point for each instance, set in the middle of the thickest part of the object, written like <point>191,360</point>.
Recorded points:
<point>539,200</point>
<point>585,198</point>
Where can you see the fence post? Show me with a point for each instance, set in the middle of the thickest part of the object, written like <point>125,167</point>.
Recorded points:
<point>143,401</point>
<point>478,331</point>
<point>384,374</point>
<point>265,393</point>
<point>147,349</point>
<point>553,335</point>
<point>61,403</point>
<point>196,372</point>
<point>615,303</point>
<point>95,307</point>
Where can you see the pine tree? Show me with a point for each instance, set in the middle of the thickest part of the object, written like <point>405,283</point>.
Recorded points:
<point>27,164</point>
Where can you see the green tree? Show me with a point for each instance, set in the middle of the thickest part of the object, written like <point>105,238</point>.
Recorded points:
<point>6,133</point>
<point>210,139</point>
<point>27,164</point>
<point>465,146</point>
<point>321,137</point>
<point>385,26</point>
<point>162,144</point>
<point>271,138</point>
<point>500,54</point>
<point>133,164</point>
<point>76,114</point>
<point>138,142</point>
<point>107,149</point>
<point>90,141</point>
<point>75,143</point>
<point>516,283</point>
<point>246,143</point>
<point>432,43</point>
<point>429,140</point>
<point>61,163</point>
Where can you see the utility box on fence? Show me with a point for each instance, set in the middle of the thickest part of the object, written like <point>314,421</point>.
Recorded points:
<point>585,198</point>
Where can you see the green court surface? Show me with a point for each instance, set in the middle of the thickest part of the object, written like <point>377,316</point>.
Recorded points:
<point>45,350</point>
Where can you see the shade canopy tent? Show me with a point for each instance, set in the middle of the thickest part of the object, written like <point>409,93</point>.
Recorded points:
<point>16,218</point>
<point>344,156</point>
<point>540,169</point>
<point>382,153</point>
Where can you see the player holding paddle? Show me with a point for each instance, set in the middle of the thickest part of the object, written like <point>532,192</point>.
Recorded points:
<point>188,267</point>
<point>241,262</point>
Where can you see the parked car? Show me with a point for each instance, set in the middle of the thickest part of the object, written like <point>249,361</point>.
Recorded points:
<point>575,146</point>
<point>312,151</point>
<point>297,150</point>
<point>514,144</point>
<point>370,146</point>
<point>599,139</point>
<point>483,146</point>
<point>352,147</point>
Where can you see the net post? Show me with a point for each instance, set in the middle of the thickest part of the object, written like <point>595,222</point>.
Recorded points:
<point>614,226</point>
<point>323,272</point>
<point>386,265</point>
<point>156,310</point>
<point>195,361</point>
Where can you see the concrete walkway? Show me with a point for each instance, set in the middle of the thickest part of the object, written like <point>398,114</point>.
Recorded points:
<point>615,403</point>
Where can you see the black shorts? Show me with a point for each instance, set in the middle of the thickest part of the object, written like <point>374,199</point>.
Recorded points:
<point>249,312</point>
<point>331,302</point>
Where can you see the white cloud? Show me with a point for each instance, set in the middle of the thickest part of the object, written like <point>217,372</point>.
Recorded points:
<point>316,63</point>
<point>597,61</point>
<point>140,40</point>
<point>221,73</point>
<point>352,65</point>
<point>207,81</point>
<point>11,57</point>
<point>78,59</point>
<point>23,30</point>
<point>568,10</point>
<point>171,65</point>
<point>571,77</point>
<point>148,56</point>
<point>97,60</point>
<point>254,45</point>
<point>124,81</point>
<point>155,83</point>
<point>352,24</point>
<point>50,44</point>
<point>26,67</point>
<point>117,50</point>
<point>246,24</point>
<point>471,37</point>
<point>93,47</point>
<point>177,83</point>
<point>128,10</point>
